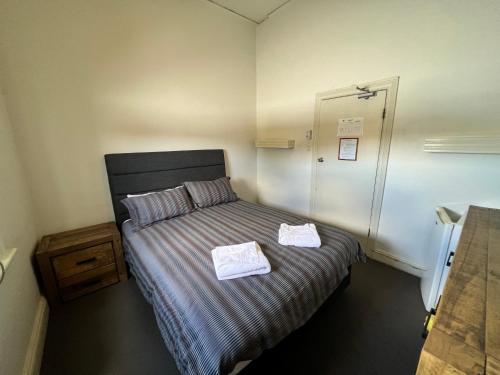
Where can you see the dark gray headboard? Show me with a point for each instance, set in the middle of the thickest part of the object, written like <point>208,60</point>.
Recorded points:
<point>136,173</point>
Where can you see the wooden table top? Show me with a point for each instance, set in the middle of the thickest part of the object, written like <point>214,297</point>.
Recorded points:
<point>465,338</point>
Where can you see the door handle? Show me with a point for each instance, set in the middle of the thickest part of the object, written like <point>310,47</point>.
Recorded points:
<point>321,160</point>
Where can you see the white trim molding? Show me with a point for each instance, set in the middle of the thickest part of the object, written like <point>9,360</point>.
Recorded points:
<point>395,261</point>
<point>34,353</point>
<point>464,144</point>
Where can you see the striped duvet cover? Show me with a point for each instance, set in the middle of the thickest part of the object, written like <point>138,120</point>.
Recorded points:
<point>210,325</point>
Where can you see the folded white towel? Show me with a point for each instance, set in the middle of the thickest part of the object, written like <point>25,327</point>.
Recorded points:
<point>239,261</point>
<point>299,235</point>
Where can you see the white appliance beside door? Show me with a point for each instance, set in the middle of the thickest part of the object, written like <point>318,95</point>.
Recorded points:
<point>344,190</point>
<point>443,244</point>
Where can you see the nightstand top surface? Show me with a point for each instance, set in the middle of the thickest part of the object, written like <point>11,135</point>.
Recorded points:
<point>68,239</point>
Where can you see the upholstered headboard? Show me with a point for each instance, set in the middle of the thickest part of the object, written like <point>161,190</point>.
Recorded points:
<point>136,173</point>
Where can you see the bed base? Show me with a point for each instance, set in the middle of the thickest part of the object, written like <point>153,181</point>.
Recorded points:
<point>336,293</point>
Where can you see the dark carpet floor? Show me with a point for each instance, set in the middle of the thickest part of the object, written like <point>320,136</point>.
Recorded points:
<point>373,327</point>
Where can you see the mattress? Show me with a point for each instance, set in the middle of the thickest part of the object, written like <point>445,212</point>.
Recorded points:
<point>210,325</point>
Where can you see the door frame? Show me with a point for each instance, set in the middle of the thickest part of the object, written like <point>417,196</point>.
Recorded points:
<point>390,85</point>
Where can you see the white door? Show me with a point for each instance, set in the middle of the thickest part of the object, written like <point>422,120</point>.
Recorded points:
<point>344,189</point>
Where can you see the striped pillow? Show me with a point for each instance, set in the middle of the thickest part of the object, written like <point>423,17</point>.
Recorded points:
<point>149,208</point>
<point>210,193</point>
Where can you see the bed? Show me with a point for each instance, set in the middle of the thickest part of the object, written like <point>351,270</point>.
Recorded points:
<point>209,326</point>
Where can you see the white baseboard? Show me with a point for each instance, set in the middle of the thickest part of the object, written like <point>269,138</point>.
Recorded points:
<point>392,260</point>
<point>34,353</point>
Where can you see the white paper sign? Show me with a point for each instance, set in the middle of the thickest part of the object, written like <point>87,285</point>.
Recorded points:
<point>350,127</point>
<point>348,149</point>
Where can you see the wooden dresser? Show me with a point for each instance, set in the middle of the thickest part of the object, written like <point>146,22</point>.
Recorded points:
<point>465,337</point>
<point>80,261</point>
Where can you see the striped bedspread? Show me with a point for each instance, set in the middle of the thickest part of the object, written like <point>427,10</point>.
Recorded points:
<point>210,325</point>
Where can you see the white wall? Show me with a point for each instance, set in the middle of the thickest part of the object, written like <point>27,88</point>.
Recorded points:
<point>89,77</point>
<point>448,57</point>
<point>19,293</point>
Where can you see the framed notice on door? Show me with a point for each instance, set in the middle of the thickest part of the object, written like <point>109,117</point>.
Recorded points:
<point>348,149</point>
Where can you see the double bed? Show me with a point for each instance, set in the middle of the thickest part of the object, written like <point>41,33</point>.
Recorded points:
<point>209,326</point>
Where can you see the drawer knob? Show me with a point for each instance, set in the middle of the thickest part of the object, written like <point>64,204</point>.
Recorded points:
<point>85,261</point>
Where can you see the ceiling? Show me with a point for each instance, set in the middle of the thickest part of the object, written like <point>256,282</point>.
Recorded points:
<point>254,10</point>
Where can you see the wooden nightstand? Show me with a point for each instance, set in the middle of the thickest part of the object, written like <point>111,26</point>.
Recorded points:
<point>80,261</point>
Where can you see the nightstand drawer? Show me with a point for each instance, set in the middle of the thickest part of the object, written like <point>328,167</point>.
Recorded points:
<point>83,260</point>
<point>82,277</point>
<point>87,282</point>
